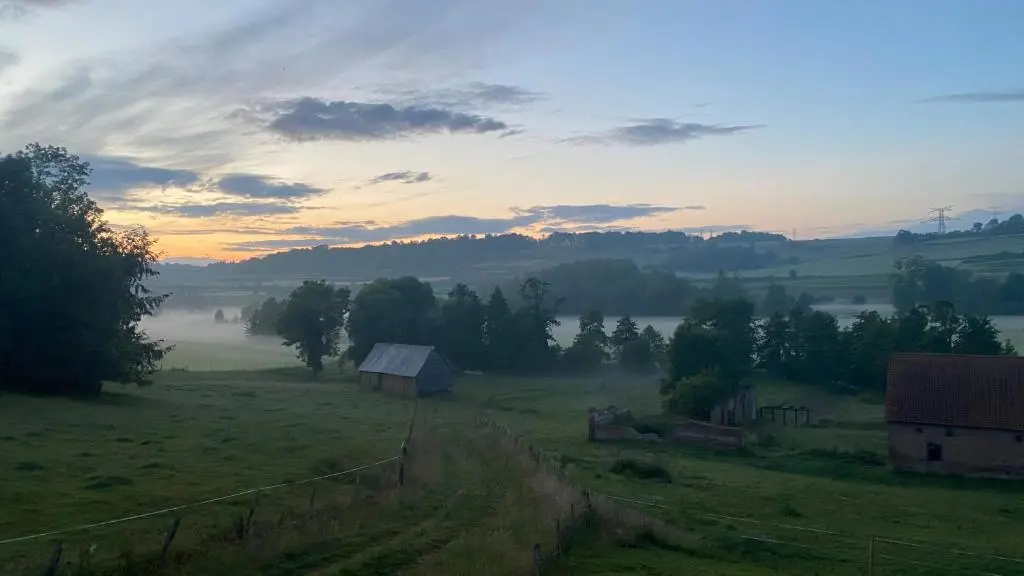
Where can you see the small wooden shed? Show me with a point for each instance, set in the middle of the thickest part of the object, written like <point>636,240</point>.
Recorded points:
<point>406,370</point>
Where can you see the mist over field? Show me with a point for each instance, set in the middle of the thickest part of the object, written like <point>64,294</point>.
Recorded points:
<point>202,344</point>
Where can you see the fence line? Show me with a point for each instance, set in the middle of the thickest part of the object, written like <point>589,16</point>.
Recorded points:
<point>194,504</point>
<point>879,539</point>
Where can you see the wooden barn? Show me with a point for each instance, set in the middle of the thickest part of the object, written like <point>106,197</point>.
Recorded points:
<point>406,370</point>
<point>953,414</point>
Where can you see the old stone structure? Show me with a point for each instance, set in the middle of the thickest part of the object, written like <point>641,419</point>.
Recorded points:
<point>739,410</point>
<point>406,370</point>
<point>617,424</point>
<point>952,414</point>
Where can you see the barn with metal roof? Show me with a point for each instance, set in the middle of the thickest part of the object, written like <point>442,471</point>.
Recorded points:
<point>956,414</point>
<point>406,370</point>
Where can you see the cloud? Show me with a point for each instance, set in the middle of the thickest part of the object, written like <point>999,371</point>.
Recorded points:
<point>217,209</point>
<point>475,95</point>
<point>262,187</point>
<point>18,9</point>
<point>404,177</point>
<point>656,131</point>
<point>314,119</point>
<point>981,97</point>
<point>8,59</point>
<point>591,213</point>
<point>587,217</point>
<point>175,100</point>
<point>113,177</point>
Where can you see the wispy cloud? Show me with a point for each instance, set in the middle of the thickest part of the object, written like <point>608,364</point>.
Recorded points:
<point>1015,96</point>
<point>18,9</point>
<point>403,177</point>
<point>591,213</point>
<point>176,100</point>
<point>580,218</point>
<point>7,59</point>
<point>475,95</point>
<point>217,209</point>
<point>314,119</point>
<point>657,131</point>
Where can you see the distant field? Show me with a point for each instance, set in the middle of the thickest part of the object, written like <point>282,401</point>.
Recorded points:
<point>844,268</point>
<point>192,355</point>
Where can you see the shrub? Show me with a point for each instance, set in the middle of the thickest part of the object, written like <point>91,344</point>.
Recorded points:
<point>641,469</point>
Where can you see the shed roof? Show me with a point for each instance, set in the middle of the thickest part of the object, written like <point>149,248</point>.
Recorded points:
<point>396,359</point>
<point>956,390</point>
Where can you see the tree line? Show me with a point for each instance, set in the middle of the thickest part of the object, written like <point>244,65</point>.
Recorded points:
<point>491,335</point>
<point>993,227</point>
<point>720,343</point>
<point>918,280</point>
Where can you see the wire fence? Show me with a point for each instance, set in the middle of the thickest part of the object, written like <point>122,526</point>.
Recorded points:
<point>242,525</point>
<point>925,556</point>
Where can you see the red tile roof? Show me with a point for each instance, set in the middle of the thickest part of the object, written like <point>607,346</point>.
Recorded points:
<point>956,390</point>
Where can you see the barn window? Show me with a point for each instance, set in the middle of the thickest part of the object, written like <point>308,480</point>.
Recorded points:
<point>934,452</point>
<point>949,432</point>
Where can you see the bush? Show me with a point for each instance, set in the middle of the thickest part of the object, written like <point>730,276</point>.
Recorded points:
<point>641,469</point>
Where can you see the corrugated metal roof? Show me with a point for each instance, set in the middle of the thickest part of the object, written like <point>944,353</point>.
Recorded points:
<point>956,390</point>
<point>396,359</point>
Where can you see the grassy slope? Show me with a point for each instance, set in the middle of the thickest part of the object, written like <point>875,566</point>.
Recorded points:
<point>466,508</point>
<point>196,435</point>
<point>843,268</point>
<point>800,482</point>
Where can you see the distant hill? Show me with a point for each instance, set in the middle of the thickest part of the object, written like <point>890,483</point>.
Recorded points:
<point>492,256</point>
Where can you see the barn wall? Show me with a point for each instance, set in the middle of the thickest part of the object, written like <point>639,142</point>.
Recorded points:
<point>968,451</point>
<point>398,385</point>
<point>435,376</point>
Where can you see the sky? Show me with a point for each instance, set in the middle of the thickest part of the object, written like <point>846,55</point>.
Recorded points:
<point>234,128</point>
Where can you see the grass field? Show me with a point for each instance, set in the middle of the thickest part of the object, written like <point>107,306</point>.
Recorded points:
<point>849,267</point>
<point>802,501</point>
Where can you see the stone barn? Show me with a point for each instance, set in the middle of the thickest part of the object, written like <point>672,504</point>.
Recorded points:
<point>406,370</point>
<point>953,414</point>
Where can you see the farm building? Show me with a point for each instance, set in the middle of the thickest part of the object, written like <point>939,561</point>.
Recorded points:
<point>953,414</point>
<point>406,370</point>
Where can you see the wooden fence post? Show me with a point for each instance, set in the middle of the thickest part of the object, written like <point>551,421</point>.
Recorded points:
<point>871,556</point>
<point>312,497</point>
<point>172,531</point>
<point>252,512</point>
<point>54,565</point>
<point>538,560</point>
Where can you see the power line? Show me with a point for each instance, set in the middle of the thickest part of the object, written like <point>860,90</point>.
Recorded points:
<point>941,217</point>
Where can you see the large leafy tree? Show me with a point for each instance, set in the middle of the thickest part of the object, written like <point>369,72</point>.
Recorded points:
<point>397,310</point>
<point>72,285</point>
<point>311,320</point>
<point>462,328</point>
<point>499,334</point>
